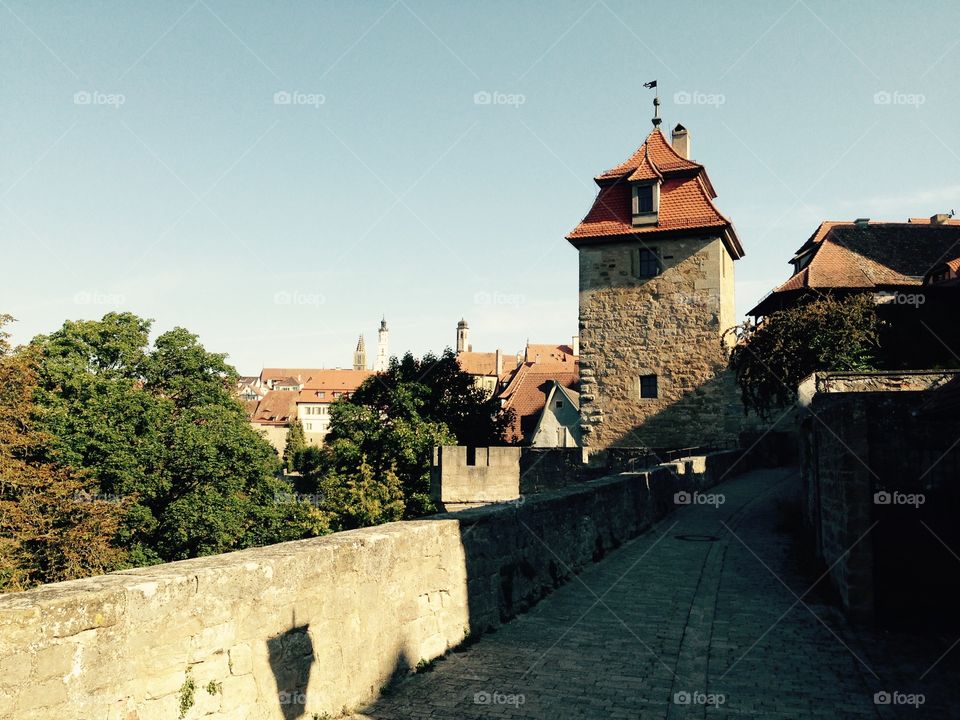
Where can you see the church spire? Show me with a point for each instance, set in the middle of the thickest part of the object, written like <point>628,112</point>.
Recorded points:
<point>360,355</point>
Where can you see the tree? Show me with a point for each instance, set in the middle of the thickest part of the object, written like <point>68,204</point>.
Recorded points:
<point>443,393</point>
<point>296,443</point>
<point>375,464</point>
<point>160,426</point>
<point>821,334</point>
<point>52,527</point>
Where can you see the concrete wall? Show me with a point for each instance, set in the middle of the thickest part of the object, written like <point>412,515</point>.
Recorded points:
<point>670,326</point>
<point>311,626</point>
<point>869,433</point>
<point>493,477</point>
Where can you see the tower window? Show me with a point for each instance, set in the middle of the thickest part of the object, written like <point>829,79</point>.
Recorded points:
<point>648,386</point>
<point>645,199</point>
<point>645,262</point>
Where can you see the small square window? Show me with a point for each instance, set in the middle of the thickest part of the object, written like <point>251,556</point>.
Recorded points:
<point>559,403</point>
<point>648,386</point>
<point>645,262</point>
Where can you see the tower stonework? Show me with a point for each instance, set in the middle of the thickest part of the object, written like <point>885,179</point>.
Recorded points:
<point>656,297</point>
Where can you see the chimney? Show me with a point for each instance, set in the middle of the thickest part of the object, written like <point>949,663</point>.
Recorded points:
<point>939,219</point>
<point>681,141</point>
<point>575,344</point>
<point>499,362</point>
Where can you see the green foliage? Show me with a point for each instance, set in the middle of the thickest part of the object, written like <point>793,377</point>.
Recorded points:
<point>214,687</point>
<point>824,334</point>
<point>160,426</point>
<point>52,527</point>
<point>296,443</point>
<point>375,464</point>
<point>187,691</point>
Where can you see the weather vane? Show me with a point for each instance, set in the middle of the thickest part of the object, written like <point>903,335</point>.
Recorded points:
<point>652,85</point>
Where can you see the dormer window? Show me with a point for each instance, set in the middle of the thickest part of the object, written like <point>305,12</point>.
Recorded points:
<point>646,203</point>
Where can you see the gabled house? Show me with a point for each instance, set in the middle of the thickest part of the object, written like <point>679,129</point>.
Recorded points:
<point>559,421</point>
<point>908,268</point>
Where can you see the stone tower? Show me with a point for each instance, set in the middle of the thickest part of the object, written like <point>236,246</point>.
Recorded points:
<point>656,297</point>
<point>383,347</point>
<point>360,356</point>
<point>463,336</point>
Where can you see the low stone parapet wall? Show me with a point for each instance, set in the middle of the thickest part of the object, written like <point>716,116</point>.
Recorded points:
<point>312,626</point>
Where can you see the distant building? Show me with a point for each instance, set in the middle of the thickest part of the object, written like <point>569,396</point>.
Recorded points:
<point>272,415</point>
<point>360,356</point>
<point>526,390</point>
<point>910,269</point>
<point>865,255</point>
<point>249,388</point>
<point>320,392</point>
<point>559,422</point>
<point>383,348</point>
<point>304,394</point>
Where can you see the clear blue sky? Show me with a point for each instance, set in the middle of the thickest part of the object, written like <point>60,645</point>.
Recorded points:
<point>174,186</point>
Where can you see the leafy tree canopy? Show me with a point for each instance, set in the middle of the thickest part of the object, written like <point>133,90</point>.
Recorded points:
<point>52,527</point>
<point>821,334</point>
<point>375,464</point>
<point>160,426</point>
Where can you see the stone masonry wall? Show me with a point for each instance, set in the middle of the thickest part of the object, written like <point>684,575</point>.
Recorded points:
<point>311,626</point>
<point>868,436</point>
<point>670,326</point>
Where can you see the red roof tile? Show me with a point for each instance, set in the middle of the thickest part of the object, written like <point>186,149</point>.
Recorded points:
<point>864,256</point>
<point>656,149</point>
<point>278,407</point>
<point>525,392</point>
<point>686,198</point>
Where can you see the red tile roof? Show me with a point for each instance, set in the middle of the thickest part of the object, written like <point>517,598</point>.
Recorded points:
<point>336,379</point>
<point>655,149</point>
<point>526,390</point>
<point>482,363</point>
<point>686,198</point>
<point>865,256</point>
<point>278,407</point>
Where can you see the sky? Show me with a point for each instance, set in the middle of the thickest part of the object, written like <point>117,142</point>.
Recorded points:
<point>276,177</point>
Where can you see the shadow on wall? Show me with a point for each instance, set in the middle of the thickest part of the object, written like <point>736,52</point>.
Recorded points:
<point>291,658</point>
<point>709,414</point>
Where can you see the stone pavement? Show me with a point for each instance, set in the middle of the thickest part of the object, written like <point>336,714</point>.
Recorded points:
<point>708,615</point>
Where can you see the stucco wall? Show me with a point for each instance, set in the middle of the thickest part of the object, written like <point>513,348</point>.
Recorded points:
<point>309,626</point>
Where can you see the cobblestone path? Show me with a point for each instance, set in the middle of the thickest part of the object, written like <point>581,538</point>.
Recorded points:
<point>707,615</point>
